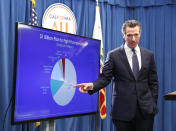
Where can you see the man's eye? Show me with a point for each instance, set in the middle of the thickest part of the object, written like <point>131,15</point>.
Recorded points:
<point>129,35</point>
<point>136,35</point>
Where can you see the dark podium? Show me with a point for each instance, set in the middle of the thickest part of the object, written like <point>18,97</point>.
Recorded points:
<point>170,96</point>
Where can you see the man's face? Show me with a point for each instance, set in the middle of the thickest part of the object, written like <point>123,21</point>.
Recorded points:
<point>132,36</point>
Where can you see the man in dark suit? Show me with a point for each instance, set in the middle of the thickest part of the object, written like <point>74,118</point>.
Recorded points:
<point>135,88</point>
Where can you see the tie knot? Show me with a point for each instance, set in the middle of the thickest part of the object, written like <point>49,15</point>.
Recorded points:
<point>133,50</point>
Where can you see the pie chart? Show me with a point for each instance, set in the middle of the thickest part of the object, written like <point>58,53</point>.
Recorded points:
<point>63,78</point>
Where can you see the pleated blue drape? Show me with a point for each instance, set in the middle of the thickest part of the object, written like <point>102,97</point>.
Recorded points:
<point>138,3</point>
<point>158,34</point>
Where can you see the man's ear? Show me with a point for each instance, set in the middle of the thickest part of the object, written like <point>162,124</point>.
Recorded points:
<point>123,35</point>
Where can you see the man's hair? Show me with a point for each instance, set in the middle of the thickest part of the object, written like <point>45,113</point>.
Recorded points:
<point>130,23</point>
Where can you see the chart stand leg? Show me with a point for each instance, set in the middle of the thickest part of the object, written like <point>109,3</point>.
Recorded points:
<point>50,125</point>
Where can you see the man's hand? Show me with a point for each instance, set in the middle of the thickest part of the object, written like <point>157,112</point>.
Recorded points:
<point>84,87</point>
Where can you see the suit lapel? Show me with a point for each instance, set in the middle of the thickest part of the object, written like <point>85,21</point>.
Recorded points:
<point>142,60</point>
<point>125,60</point>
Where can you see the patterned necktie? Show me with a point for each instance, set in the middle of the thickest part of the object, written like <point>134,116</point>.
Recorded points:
<point>135,64</point>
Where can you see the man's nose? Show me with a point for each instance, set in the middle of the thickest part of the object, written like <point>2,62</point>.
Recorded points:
<point>133,38</point>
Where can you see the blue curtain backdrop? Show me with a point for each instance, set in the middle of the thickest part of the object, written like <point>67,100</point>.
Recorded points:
<point>139,3</point>
<point>158,20</point>
<point>159,35</point>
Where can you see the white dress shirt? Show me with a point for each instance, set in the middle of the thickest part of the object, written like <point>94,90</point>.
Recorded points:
<point>129,54</point>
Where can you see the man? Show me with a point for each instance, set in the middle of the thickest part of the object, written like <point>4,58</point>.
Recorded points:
<point>135,88</point>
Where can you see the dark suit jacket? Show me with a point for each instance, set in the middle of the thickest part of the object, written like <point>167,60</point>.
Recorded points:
<point>127,92</point>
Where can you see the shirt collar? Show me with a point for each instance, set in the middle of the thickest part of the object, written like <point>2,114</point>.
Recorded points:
<point>137,49</point>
